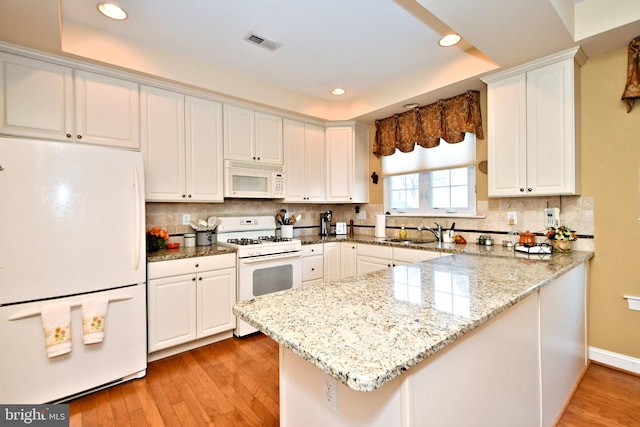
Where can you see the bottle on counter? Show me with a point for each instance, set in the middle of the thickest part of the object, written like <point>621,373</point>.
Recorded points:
<point>351,232</point>
<point>403,233</point>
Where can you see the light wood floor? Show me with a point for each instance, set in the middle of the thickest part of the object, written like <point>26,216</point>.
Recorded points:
<point>235,383</point>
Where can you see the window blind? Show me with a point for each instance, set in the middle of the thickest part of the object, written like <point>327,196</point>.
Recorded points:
<point>444,156</point>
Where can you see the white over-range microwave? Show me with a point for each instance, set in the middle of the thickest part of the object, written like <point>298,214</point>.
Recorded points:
<point>253,180</point>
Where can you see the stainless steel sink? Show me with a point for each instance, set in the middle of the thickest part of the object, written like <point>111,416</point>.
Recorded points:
<point>409,241</point>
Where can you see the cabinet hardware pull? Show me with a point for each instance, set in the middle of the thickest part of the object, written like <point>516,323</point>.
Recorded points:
<point>79,137</point>
<point>529,189</point>
<point>521,189</point>
<point>68,135</point>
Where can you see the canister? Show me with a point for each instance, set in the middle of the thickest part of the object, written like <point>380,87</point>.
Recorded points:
<point>203,238</point>
<point>189,240</point>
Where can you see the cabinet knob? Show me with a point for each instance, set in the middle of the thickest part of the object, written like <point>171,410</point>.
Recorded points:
<point>68,135</point>
<point>522,189</point>
<point>258,158</point>
<point>79,136</point>
<point>189,196</point>
<point>193,279</point>
<point>197,265</point>
<point>313,269</point>
<point>529,189</point>
<point>199,278</point>
<point>184,196</point>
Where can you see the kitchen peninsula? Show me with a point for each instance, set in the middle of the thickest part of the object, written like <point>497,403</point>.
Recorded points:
<point>458,340</point>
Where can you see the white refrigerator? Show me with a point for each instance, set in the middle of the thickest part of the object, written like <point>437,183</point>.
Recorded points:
<point>71,229</point>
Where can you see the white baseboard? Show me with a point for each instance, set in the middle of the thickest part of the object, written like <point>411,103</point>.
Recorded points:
<point>616,360</point>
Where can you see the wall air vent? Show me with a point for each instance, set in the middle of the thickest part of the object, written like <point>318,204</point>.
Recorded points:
<point>262,42</point>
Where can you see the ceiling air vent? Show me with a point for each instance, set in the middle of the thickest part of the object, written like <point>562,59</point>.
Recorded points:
<point>261,41</point>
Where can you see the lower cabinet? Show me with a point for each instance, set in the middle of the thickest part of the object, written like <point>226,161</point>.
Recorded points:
<point>189,299</point>
<point>374,257</point>
<point>312,264</point>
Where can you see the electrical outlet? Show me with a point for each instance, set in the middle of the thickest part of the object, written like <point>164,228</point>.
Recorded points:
<point>186,218</point>
<point>512,218</point>
<point>330,392</point>
<point>551,217</point>
<point>362,214</point>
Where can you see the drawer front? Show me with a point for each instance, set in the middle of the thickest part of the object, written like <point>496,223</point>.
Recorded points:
<point>308,250</point>
<point>312,268</point>
<point>176,267</point>
<point>376,251</point>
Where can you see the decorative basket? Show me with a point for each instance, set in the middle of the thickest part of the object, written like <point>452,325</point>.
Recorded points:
<point>561,245</point>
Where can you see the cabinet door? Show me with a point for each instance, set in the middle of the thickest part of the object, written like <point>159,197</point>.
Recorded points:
<point>551,159</point>
<point>507,123</point>
<point>314,163</point>
<point>295,161</point>
<point>216,294</point>
<point>107,110</point>
<point>239,133</point>
<point>367,264</point>
<point>203,150</point>
<point>339,149</point>
<point>36,98</point>
<point>331,261</point>
<point>171,309</point>
<point>163,144</point>
<point>312,268</point>
<point>348,266</point>
<point>269,139</point>
<point>403,256</point>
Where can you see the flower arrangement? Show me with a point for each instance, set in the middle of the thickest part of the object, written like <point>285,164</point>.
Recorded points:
<point>561,233</point>
<point>157,239</point>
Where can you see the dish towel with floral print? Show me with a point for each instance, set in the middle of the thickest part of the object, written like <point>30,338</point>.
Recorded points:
<point>56,321</point>
<point>94,319</point>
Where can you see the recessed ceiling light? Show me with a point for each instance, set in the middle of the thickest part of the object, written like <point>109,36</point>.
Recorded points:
<point>338,91</point>
<point>449,40</point>
<point>112,10</point>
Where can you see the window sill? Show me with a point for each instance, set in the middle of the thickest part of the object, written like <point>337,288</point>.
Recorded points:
<point>444,215</point>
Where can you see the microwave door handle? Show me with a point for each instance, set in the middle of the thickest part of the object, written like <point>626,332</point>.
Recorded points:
<point>270,258</point>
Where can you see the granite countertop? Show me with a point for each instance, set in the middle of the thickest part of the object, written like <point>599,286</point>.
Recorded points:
<point>366,330</point>
<point>180,253</point>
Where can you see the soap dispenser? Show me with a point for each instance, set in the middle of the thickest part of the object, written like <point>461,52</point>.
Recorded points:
<point>403,233</point>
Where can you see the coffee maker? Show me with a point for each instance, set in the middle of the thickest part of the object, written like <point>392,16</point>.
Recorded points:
<point>325,223</point>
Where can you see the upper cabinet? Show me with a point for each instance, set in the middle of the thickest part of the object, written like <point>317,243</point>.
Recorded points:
<point>182,145</point>
<point>252,136</point>
<point>532,117</point>
<point>347,154</point>
<point>304,152</point>
<point>45,100</point>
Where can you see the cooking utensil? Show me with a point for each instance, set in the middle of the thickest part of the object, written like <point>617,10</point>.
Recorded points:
<point>452,226</point>
<point>202,223</point>
<point>194,225</point>
<point>212,221</point>
<point>298,217</point>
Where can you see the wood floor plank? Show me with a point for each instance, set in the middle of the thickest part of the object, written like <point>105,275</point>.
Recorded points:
<point>235,383</point>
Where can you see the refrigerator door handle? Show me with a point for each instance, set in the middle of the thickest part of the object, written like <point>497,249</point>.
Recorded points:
<point>36,312</point>
<point>138,211</point>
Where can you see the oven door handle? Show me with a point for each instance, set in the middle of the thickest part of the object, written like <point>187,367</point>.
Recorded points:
<point>265,258</point>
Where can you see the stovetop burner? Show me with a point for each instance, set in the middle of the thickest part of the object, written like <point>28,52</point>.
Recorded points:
<point>244,241</point>
<point>275,239</point>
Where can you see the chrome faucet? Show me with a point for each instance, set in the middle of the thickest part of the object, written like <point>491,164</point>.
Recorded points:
<point>438,233</point>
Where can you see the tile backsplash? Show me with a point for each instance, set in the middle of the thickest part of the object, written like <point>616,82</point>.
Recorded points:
<point>575,211</point>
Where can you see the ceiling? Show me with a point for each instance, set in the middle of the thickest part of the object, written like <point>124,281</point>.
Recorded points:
<point>383,52</point>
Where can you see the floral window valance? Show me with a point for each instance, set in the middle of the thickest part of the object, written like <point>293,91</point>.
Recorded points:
<point>448,119</point>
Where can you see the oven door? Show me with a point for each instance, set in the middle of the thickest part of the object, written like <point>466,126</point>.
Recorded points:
<point>265,275</point>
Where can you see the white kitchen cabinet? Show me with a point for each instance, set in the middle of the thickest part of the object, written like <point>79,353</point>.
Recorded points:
<point>402,256</point>
<point>373,258</point>
<point>190,299</point>
<point>304,152</point>
<point>252,136</point>
<point>312,264</point>
<point>331,259</point>
<point>532,117</point>
<point>347,149</point>
<point>348,259</point>
<point>182,145</point>
<point>44,100</point>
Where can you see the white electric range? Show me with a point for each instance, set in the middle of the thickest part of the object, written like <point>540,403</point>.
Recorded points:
<point>266,263</point>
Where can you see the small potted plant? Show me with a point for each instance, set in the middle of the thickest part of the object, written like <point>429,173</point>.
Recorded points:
<point>156,239</point>
<point>561,238</point>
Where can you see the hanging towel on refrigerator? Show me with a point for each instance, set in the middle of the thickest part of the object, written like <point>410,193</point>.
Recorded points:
<point>94,319</point>
<point>56,321</point>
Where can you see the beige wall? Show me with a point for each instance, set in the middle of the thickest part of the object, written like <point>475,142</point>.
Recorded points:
<point>610,160</point>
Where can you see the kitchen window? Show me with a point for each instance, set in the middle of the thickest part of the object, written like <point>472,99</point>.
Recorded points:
<point>431,181</point>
